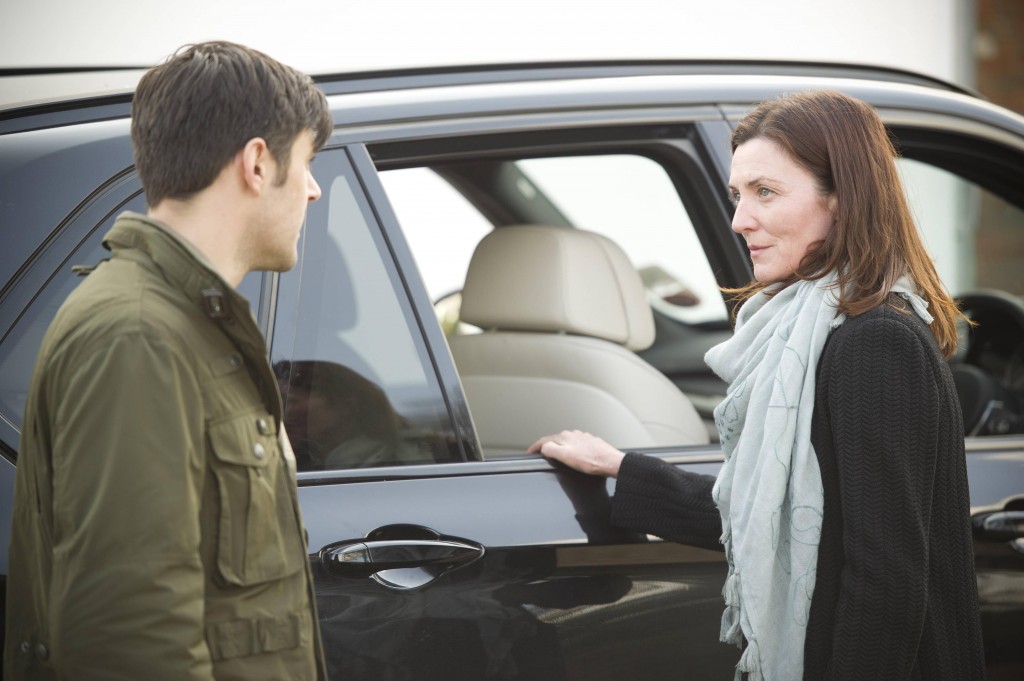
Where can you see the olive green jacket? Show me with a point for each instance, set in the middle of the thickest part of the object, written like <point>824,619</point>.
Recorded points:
<point>157,532</point>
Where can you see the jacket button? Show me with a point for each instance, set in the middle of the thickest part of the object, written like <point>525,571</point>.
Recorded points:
<point>235,360</point>
<point>258,450</point>
<point>263,426</point>
<point>42,652</point>
<point>25,647</point>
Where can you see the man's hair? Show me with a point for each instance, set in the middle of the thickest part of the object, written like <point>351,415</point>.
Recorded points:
<point>873,241</point>
<point>192,114</point>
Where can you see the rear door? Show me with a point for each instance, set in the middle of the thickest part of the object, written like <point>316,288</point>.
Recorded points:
<point>433,560</point>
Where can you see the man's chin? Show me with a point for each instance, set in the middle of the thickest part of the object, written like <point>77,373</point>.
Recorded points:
<point>280,264</point>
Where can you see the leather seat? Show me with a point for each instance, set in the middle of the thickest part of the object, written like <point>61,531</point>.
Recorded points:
<point>563,312</point>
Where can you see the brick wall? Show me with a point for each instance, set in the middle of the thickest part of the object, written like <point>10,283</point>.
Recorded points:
<point>999,52</point>
<point>999,49</point>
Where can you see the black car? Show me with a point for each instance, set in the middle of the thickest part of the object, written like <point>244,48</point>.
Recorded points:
<point>441,549</point>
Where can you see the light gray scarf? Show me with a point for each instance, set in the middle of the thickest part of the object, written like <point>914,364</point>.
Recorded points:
<point>769,490</point>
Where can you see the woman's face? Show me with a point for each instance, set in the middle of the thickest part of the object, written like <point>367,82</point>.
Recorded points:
<point>779,211</point>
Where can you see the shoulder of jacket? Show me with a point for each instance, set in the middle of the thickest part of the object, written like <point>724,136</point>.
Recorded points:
<point>107,308</point>
<point>897,320</point>
<point>876,334</point>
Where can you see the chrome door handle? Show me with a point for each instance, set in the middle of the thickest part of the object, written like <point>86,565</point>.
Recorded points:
<point>399,556</point>
<point>1000,527</point>
<point>363,558</point>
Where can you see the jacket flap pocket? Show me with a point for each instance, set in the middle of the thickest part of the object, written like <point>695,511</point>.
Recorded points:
<point>244,440</point>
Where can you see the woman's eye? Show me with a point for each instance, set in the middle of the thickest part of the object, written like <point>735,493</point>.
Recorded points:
<point>764,192</point>
<point>734,197</point>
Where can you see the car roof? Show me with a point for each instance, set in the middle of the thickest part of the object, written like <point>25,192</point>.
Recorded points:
<point>33,88</point>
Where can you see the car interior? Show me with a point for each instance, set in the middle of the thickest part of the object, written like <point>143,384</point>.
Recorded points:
<point>563,313</point>
<point>513,276</point>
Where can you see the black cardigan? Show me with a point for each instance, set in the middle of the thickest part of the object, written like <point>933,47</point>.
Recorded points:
<point>896,595</point>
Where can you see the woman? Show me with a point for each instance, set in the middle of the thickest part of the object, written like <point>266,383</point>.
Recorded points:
<point>842,504</point>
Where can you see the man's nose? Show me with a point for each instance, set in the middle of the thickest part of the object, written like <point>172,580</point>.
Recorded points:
<point>313,187</point>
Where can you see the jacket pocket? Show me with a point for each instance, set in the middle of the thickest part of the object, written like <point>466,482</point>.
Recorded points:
<point>240,638</point>
<point>257,532</point>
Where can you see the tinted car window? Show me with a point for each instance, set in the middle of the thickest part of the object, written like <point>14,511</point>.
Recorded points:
<point>19,349</point>
<point>357,380</point>
<point>976,237</point>
<point>18,355</point>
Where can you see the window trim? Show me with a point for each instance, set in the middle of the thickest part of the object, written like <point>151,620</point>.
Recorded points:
<point>681,149</point>
<point>364,181</point>
<point>422,307</point>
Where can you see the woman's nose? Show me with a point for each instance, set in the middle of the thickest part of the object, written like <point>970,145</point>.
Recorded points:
<point>742,220</point>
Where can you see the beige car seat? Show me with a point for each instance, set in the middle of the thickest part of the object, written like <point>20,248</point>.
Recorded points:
<point>563,312</point>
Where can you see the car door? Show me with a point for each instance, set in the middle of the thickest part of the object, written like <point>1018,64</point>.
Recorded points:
<point>433,561</point>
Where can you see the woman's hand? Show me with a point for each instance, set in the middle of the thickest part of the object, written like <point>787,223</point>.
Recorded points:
<point>581,451</point>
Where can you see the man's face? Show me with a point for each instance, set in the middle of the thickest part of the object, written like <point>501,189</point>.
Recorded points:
<point>274,238</point>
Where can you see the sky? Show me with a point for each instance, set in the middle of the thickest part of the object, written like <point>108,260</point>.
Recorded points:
<point>345,35</point>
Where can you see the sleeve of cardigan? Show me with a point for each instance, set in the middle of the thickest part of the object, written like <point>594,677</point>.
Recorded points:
<point>655,497</point>
<point>883,403</point>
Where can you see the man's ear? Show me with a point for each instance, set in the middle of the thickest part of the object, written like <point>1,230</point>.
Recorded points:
<point>255,165</point>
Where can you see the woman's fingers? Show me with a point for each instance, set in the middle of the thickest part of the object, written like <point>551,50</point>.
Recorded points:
<point>581,451</point>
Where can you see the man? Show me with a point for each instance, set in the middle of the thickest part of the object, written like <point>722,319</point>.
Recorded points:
<point>156,531</point>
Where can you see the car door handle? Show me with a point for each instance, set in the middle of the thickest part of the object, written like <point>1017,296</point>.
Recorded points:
<point>399,556</point>
<point>1000,527</point>
<point>364,558</point>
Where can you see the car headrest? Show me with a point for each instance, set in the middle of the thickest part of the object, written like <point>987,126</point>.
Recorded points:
<point>558,280</point>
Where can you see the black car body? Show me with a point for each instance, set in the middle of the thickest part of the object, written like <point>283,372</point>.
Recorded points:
<point>469,564</point>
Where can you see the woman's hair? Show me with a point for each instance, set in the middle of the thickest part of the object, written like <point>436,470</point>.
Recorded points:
<point>873,241</point>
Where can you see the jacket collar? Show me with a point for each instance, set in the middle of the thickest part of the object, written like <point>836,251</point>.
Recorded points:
<point>155,245</point>
<point>181,263</point>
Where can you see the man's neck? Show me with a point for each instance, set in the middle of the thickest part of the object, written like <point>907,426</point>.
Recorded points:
<point>208,228</point>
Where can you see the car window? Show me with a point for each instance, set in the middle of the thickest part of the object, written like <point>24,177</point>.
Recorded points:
<point>440,224</point>
<point>977,241</point>
<point>626,197</point>
<point>631,200</point>
<point>357,381</point>
<point>18,354</point>
<point>976,237</point>
<point>19,349</point>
